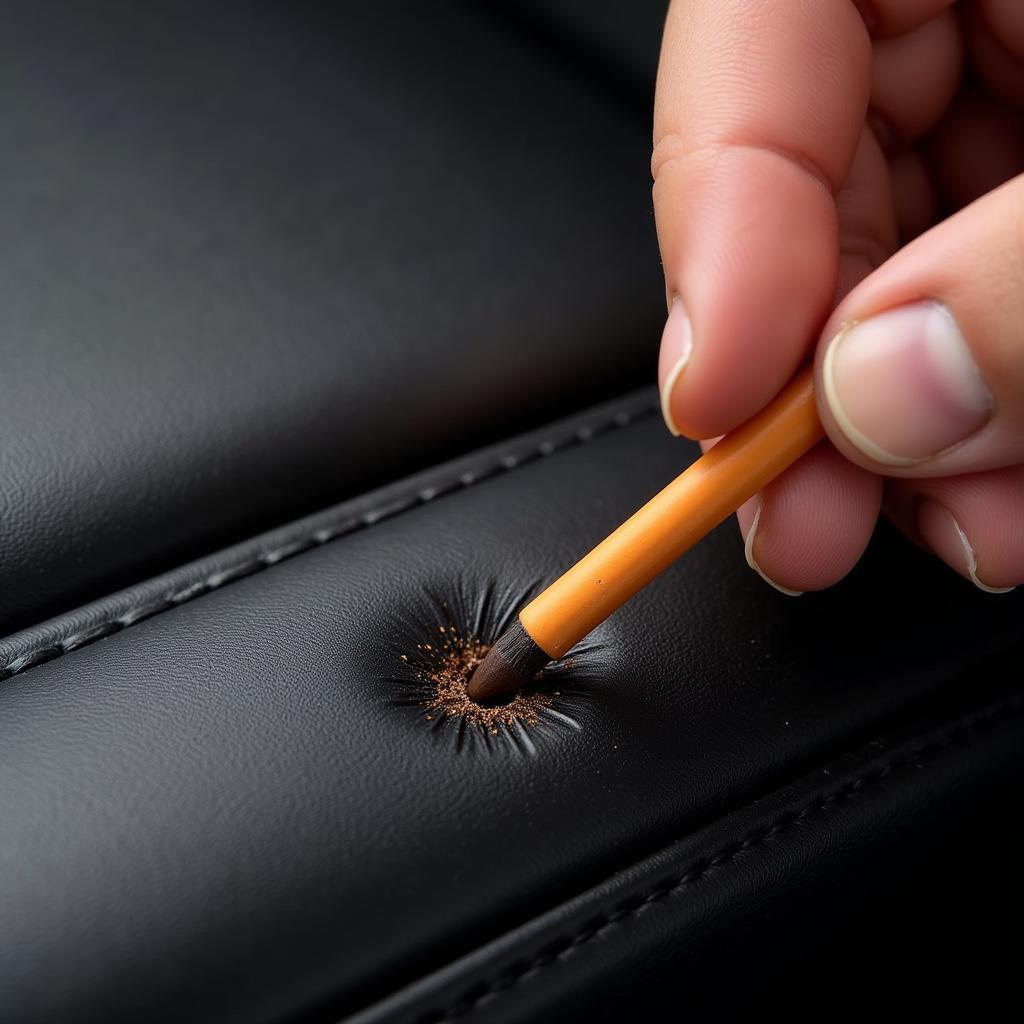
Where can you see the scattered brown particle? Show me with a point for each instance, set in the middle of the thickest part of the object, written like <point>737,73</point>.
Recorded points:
<point>448,670</point>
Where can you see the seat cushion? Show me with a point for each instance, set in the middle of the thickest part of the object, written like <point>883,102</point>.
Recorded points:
<point>260,257</point>
<point>263,258</point>
<point>250,804</point>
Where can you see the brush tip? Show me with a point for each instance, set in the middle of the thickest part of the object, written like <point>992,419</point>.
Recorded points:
<point>512,663</point>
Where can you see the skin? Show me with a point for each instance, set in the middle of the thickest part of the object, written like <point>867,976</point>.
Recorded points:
<point>817,162</point>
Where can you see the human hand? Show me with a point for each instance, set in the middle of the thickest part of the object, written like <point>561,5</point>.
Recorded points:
<point>798,145</point>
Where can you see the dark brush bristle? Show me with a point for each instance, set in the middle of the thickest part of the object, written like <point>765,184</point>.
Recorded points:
<point>512,663</point>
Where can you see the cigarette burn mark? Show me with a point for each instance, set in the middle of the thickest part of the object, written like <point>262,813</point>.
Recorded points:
<point>450,667</point>
<point>438,643</point>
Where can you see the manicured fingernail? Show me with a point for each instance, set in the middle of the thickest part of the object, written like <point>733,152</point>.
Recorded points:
<point>942,532</point>
<point>903,385</point>
<point>676,349</point>
<point>748,550</point>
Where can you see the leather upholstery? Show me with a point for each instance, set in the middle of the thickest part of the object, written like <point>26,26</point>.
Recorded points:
<point>228,811</point>
<point>260,257</point>
<point>615,43</point>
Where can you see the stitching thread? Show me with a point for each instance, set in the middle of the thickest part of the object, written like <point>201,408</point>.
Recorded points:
<point>554,952</point>
<point>344,526</point>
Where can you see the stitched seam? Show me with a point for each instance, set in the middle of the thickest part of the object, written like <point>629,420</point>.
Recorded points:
<point>961,733</point>
<point>345,525</point>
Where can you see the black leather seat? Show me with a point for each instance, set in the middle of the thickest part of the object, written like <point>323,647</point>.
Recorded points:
<point>259,259</point>
<point>346,272</point>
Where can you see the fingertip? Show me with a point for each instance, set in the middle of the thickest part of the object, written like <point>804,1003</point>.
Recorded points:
<point>814,522</point>
<point>749,553</point>
<point>756,266</point>
<point>974,523</point>
<point>901,388</point>
<point>941,531</point>
<point>676,348</point>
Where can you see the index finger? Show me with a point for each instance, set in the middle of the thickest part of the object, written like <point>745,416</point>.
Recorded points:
<point>758,111</point>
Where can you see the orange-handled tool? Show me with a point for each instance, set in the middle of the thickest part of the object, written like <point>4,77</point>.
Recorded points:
<point>649,541</point>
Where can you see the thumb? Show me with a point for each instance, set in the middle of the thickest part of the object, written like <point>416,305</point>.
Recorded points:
<point>921,367</point>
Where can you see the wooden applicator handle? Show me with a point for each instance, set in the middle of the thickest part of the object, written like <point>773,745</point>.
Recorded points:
<point>676,518</point>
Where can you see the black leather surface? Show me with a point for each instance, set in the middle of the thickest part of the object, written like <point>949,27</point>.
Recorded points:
<point>258,257</point>
<point>617,42</point>
<point>99,619</point>
<point>227,812</point>
<point>884,886</point>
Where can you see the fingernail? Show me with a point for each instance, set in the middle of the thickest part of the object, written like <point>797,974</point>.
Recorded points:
<point>748,550</point>
<point>903,385</point>
<point>942,532</point>
<point>676,348</point>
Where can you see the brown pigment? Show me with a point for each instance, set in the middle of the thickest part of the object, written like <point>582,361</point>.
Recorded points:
<point>448,666</point>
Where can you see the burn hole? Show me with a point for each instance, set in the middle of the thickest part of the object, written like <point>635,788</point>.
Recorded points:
<point>446,667</point>
<point>439,641</point>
